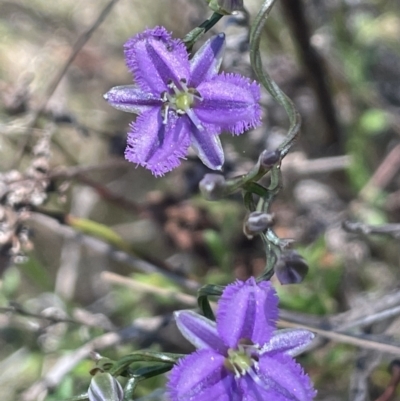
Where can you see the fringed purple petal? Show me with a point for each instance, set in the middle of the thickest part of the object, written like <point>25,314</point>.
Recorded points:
<point>131,99</point>
<point>278,378</point>
<point>201,332</point>
<point>157,146</point>
<point>257,390</point>
<point>288,341</point>
<point>230,101</point>
<point>202,377</point>
<point>155,59</point>
<point>247,310</point>
<point>206,63</point>
<point>207,145</point>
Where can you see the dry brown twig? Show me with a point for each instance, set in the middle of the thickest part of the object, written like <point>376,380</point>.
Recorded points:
<point>82,40</point>
<point>366,361</point>
<point>297,164</point>
<point>386,171</point>
<point>140,328</point>
<point>392,230</point>
<point>394,382</point>
<point>114,254</point>
<point>73,171</point>
<point>81,317</point>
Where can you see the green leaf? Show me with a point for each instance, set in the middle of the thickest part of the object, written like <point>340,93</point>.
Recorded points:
<point>11,281</point>
<point>374,121</point>
<point>216,246</point>
<point>37,273</point>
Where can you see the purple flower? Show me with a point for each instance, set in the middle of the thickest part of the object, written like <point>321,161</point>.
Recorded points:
<point>241,356</point>
<point>181,102</point>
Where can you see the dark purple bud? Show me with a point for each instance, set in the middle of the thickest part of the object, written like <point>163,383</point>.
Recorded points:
<point>269,157</point>
<point>256,223</point>
<point>291,268</point>
<point>212,186</point>
<point>105,387</point>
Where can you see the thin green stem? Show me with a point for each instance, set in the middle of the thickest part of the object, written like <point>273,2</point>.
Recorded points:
<point>273,245</point>
<point>142,356</point>
<point>254,175</point>
<point>202,298</point>
<point>129,388</point>
<point>271,251</point>
<point>258,171</point>
<point>268,82</point>
<point>196,33</point>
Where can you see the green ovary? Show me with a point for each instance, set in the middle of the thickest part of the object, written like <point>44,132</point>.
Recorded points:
<point>183,101</point>
<point>238,361</point>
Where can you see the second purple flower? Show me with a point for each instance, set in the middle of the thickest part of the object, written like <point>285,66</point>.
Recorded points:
<point>181,102</point>
<point>241,356</point>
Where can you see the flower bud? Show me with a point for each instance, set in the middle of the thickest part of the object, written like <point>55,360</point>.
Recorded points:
<point>291,268</point>
<point>225,7</point>
<point>256,223</point>
<point>269,157</point>
<point>105,387</point>
<point>212,186</point>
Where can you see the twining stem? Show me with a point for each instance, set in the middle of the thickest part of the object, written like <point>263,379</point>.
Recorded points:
<point>268,161</point>
<point>129,388</point>
<point>273,245</point>
<point>202,298</point>
<point>267,82</point>
<point>260,170</point>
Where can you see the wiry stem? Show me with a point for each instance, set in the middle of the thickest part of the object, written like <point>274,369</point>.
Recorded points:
<point>195,34</point>
<point>273,245</point>
<point>259,170</point>
<point>267,82</point>
<point>268,161</point>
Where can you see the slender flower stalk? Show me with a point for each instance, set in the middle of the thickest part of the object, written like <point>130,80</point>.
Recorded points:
<point>242,356</point>
<point>181,103</point>
<point>225,6</point>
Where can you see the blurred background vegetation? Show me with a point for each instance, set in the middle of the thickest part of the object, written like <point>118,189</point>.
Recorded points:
<point>95,253</point>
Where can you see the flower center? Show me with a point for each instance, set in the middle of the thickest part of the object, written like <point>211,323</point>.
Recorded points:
<point>181,99</point>
<point>241,360</point>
